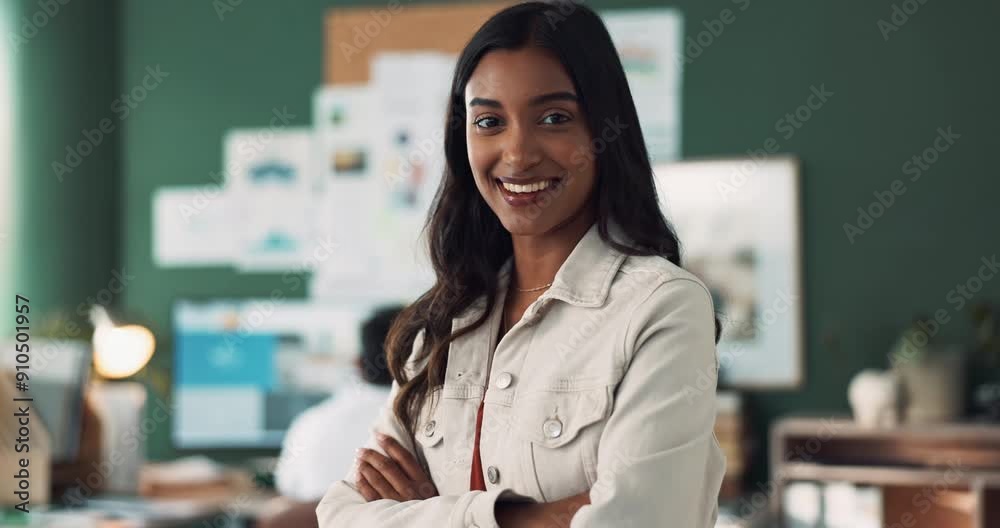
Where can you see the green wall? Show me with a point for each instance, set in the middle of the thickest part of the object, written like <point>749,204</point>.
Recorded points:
<point>66,229</point>
<point>889,99</point>
<point>7,242</point>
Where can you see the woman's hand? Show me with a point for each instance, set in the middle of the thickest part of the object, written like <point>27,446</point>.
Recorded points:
<point>556,514</point>
<point>398,476</point>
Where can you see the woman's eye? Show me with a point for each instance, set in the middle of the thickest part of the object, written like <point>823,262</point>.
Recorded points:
<point>487,122</point>
<point>555,119</point>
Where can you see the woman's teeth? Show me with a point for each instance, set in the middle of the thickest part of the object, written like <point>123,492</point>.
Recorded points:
<point>531,187</point>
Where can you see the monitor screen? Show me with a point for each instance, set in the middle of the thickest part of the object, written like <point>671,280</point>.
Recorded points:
<point>243,369</point>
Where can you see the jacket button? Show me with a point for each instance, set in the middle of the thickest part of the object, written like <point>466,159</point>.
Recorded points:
<point>429,428</point>
<point>504,380</point>
<point>493,474</point>
<point>552,428</point>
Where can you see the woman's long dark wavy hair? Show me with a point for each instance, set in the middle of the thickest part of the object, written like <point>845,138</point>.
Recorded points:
<point>468,244</point>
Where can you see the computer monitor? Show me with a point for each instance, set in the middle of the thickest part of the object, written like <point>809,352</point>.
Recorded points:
<point>58,376</point>
<point>243,369</point>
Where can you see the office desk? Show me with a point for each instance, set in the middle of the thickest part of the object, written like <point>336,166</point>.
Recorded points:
<point>238,511</point>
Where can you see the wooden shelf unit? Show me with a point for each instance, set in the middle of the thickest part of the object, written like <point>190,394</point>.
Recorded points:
<point>959,463</point>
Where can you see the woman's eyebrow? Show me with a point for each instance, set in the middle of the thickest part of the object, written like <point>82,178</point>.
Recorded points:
<point>538,99</point>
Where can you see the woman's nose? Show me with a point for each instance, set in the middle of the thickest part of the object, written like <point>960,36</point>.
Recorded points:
<point>521,151</point>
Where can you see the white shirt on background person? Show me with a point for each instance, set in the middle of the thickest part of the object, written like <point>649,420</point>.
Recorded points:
<point>320,444</point>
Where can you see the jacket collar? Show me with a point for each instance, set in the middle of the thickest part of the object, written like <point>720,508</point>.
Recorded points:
<point>584,279</point>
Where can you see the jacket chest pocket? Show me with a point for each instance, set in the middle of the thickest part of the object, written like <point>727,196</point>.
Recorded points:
<point>444,444</point>
<point>560,432</point>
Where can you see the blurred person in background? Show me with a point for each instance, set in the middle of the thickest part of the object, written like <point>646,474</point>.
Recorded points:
<point>321,443</point>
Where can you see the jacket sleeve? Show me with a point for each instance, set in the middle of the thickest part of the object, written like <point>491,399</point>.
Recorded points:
<point>342,506</point>
<point>659,463</point>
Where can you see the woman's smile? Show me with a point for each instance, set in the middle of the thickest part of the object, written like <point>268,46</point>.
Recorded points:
<point>521,193</point>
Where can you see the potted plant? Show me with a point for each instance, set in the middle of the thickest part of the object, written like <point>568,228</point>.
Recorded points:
<point>932,375</point>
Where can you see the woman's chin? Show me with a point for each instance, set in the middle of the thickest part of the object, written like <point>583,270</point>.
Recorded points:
<point>525,225</point>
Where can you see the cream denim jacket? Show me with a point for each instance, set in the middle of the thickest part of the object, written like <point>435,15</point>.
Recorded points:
<point>595,388</point>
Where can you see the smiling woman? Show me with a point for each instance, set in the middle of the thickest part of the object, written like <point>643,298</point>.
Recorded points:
<point>545,232</point>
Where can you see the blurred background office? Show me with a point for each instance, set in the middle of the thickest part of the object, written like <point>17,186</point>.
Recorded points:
<point>203,204</point>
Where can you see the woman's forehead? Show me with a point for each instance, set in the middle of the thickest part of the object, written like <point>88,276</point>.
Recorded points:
<point>517,76</point>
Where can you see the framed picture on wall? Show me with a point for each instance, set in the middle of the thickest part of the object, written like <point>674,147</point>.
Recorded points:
<point>740,230</point>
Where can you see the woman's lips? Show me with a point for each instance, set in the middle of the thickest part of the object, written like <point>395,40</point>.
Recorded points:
<point>526,198</point>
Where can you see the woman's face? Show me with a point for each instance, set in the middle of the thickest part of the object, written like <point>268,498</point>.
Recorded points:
<point>528,141</point>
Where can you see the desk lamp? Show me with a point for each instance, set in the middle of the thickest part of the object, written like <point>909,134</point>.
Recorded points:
<point>119,352</point>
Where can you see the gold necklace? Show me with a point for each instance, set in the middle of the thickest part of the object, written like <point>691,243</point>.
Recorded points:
<point>533,289</point>
<point>503,316</point>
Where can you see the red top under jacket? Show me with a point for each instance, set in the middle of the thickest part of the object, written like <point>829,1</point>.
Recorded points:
<point>476,481</point>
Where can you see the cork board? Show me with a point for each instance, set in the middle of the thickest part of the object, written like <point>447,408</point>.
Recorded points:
<point>353,35</point>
